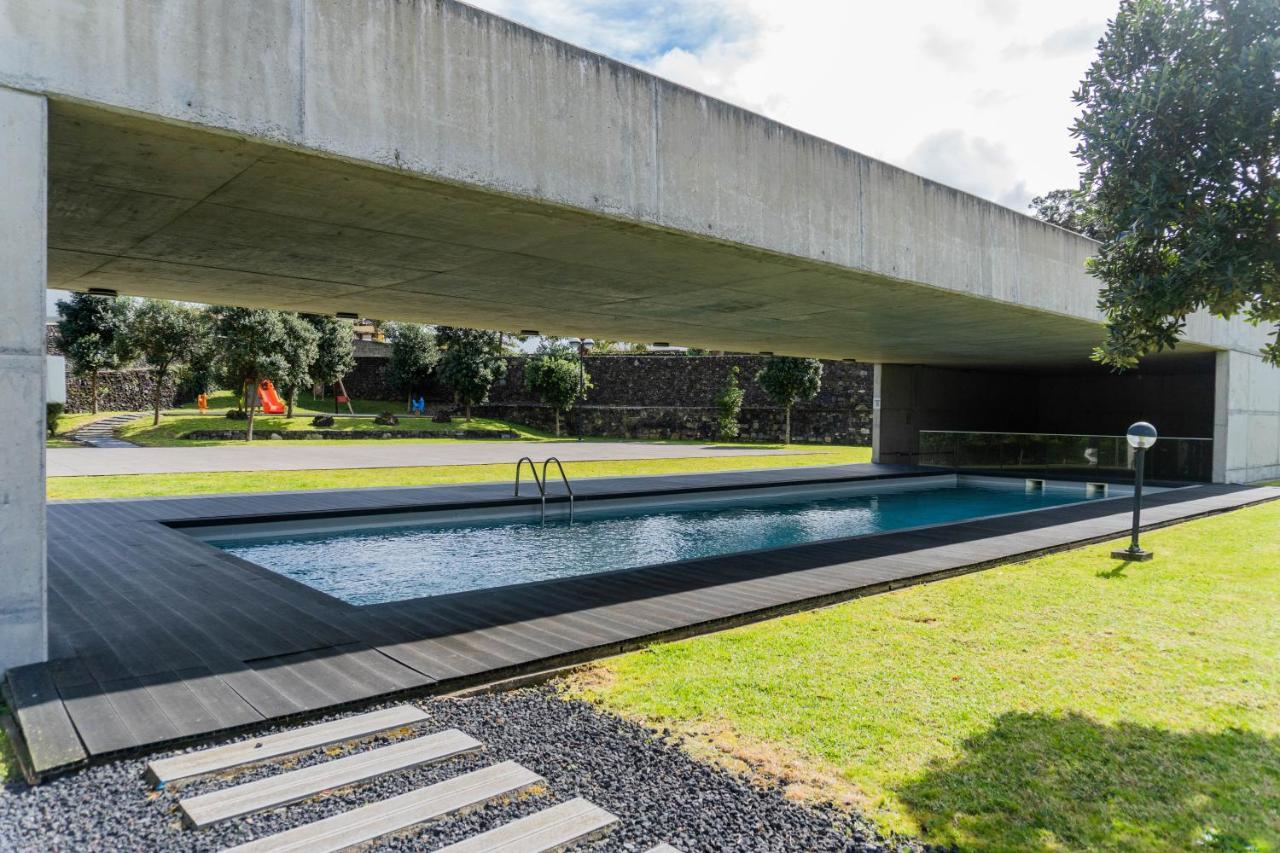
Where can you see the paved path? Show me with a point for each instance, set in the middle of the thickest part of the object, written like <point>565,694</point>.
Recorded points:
<point>301,456</point>
<point>100,434</point>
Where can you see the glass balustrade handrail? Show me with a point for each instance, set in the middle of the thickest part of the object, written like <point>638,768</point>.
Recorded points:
<point>1054,434</point>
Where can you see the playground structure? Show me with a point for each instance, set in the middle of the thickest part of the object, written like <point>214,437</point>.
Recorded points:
<point>269,399</point>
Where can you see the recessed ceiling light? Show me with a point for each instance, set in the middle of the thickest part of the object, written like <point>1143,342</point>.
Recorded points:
<point>347,315</point>
<point>102,291</point>
<point>661,344</point>
<point>529,332</point>
<point>766,352</point>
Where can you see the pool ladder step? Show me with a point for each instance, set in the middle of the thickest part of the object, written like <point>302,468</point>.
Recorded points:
<point>541,482</point>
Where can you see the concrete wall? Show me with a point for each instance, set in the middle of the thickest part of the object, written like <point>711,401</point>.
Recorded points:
<point>23,128</point>
<point>1246,420</point>
<point>440,90</point>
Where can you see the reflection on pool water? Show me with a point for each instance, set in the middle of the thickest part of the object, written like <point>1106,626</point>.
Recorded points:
<point>380,564</point>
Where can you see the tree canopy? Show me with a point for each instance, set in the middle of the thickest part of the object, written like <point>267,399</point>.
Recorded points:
<point>301,349</point>
<point>788,380</point>
<point>93,332</point>
<point>336,352</point>
<point>252,343</point>
<point>1067,209</point>
<point>553,375</point>
<point>1179,142</point>
<point>165,334</point>
<point>470,364</point>
<point>413,356</point>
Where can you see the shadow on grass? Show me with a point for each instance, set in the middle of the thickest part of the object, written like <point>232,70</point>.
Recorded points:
<point>1036,781</point>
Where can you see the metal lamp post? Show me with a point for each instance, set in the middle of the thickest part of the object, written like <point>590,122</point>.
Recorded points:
<point>1140,436</point>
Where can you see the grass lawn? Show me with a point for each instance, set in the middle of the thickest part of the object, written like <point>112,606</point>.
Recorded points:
<point>68,424</point>
<point>168,433</point>
<point>1070,702</point>
<point>156,485</point>
<point>220,401</point>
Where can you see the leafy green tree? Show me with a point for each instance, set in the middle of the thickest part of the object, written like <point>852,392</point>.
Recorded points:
<point>729,406</point>
<point>789,380</point>
<point>165,334</point>
<point>553,375</point>
<point>302,348</point>
<point>1179,140</point>
<point>472,361</point>
<point>93,331</point>
<point>1067,209</point>
<point>414,356</point>
<point>336,352</point>
<point>252,343</point>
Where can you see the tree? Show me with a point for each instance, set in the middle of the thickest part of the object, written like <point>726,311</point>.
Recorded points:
<point>728,407</point>
<point>553,375</point>
<point>252,342</point>
<point>1067,209</point>
<point>165,334</point>
<point>302,348</point>
<point>788,380</point>
<point>413,356</point>
<point>336,352</point>
<point>93,333</point>
<point>471,363</point>
<point>1179,143</point>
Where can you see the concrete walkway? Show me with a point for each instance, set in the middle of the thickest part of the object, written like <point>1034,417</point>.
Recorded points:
<point>300,456</point>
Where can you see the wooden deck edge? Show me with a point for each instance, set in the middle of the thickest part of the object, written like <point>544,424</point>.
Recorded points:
<point>543,670</point>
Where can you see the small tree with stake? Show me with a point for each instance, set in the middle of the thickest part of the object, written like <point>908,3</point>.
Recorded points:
<point>166,333</point>
<point>302,348</point>
<point>413,357</point>
<point>729,406</point>
<point>93,332</point>
<point>789,380</point>
<point>335,352</point>
<point>253,341</point>
<point>553,376</point>
<point>471,363</point>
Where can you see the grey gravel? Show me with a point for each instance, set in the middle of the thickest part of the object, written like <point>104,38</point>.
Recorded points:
<point>659,793</point>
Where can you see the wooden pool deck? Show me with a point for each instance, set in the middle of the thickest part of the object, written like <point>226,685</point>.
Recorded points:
<point>156,637</point>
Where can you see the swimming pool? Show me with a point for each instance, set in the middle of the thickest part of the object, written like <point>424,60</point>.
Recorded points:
<point>377,559</point>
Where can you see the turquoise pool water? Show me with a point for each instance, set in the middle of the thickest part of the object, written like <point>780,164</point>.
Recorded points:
<point>375,565</point>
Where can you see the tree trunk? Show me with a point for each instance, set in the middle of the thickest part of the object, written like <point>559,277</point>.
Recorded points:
<point>468,411</point>
<point>557,423</point>
<point>293,398</point>
<point>786,436</point>
<point>93,390</point>
<point>250,404</point>
<point>155,421</point>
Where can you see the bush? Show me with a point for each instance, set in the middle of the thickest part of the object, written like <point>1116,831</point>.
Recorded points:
<point>237,415</point>
<point>52,412</point>
<point>728,407</point>
<point>322,421</point>
<point>386,419</point>
<point>442,417</point>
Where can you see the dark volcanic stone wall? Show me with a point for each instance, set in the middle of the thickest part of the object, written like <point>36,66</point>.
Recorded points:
<point>118,391</point>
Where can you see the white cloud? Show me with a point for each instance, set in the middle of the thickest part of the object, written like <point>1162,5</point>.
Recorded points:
<point>898,81</point>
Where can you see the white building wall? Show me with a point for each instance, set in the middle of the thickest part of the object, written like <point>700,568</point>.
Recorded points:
<point>1246,425</point>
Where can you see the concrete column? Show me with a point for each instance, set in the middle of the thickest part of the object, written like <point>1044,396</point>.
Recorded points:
<point>1246,419</point>
<point>23,246</point>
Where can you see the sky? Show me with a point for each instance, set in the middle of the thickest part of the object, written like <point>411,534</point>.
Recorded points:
<point>972,93</point>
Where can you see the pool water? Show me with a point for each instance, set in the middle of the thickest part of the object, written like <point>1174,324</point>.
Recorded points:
<point>375,565</point>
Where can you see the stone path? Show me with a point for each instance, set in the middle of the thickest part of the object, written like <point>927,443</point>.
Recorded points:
<point>301,456</point>
<point>101,433</point>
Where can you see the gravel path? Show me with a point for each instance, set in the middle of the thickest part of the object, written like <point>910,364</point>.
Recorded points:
<point>659,793</point>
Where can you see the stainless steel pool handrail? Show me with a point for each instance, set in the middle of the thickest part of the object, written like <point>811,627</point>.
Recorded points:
<point>533,469</point>
<point>564,477</point>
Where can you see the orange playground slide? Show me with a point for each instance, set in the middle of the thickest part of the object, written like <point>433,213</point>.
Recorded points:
<point>271,402</point>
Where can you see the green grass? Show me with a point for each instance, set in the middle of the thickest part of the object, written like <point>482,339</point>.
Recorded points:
<point>8,761</point>
<point>158,485</point>
<point>1070,702</point>
<point>220,401</point>
<point>170,430</point>
<point>68,424</point>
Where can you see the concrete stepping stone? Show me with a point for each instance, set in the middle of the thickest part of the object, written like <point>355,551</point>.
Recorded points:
<point>664,848</point>
<point>295,785</point>
<point>549,829</point>
<point>375,820</point>
<point>254,750</point>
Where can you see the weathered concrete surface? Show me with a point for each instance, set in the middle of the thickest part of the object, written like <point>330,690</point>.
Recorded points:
<point>22,378</point>
<point>1246,425</point>
<point>477,172</point>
